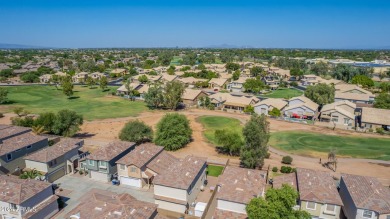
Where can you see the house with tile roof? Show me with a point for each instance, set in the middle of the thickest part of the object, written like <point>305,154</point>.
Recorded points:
<point>353,93</point>
<point>105,204</point>
<point>22,199</point>
<point>237,85</point>
<point>318,194</point>
<point>300,107</point>
<point>340,113</point>
<point>364,197</point>
<point>373,118</point>
<point>266,105</point>
<point>118,72</point>
<point>232,103</point>
<point>80,77</point>
<point>236,187</point>
<point>101,164</point>
<point>177,187</point>
<point>191,97</point>
<point>45,78</point>
<point>15,143</point>
<point>217,83</point>
<point>139,167</point>
<point>57,160</point>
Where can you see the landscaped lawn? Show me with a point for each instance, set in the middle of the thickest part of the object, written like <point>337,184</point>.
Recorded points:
<point>214,170</point>
<point>213,123</point>
<point>311,144</point>
<point>91,103</point>
<point>284,93</point>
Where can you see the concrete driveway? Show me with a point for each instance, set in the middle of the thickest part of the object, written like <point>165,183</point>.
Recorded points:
<point>79,185</point>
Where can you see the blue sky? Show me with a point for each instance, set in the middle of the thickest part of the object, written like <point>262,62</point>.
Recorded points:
<point>183,23</point>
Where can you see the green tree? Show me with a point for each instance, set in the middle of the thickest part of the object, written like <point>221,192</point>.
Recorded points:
<point>3,95</point>
<point>363,80</point>
<point>236,75</point>
<point>143,79</point>
<point>385,87</point>
<point>46,120</point>
<point>154,97</point>
<point>253,85</point>
<point>90,82</point>
<point>320,68</point>
<point>67,123</point>
<point>256,134</point>
<point>136,131</point>
<point>103,83</point>
<point>257,71</point>
<point>173,91</point>
<point>30,174</point>
<point>382,101</point>
<point>231,142</point>
<point>275,112</point>
<point>67,87</point>
<point>277,204</point>
<point>321,93</point>
<point>171,70</point>
<point>249,109</point>
<point>232,66</point>
<point>296,72</point>
<point>173,131</point>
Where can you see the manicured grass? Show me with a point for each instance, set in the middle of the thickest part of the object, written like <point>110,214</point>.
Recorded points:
<point>91,103</point>
<point>312,144</point>
<point>213,123</point>
<point>176,60</point>
<point>284,93</point>
<point>214,170</point>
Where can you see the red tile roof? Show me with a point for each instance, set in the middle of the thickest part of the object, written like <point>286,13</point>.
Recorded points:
<point>223,214</point>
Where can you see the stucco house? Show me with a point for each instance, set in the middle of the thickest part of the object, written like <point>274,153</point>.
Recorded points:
<point>237,85</point>
<point>97,75</point>
<point>341,114</point>
<point>134,168</point>
<point>80,77</point>
<point>373,118</point>
<point>98,203</point>
<point>176,188</point>
<point>57,160</point>
<point>21,198</point>
<point>364,197</point>
<point>266,105</point>
<point>191,97</point>
<point>15,143</point>
<point>236,187</point>
<point>101,164</point>
<point>191,81</point>
<point>318,194</point>
<point>119,72</point>
<point>232,103</point>
<point>217,84</point>
<point>300,107</point>
<point>353,93</point>
<point>45,78</point>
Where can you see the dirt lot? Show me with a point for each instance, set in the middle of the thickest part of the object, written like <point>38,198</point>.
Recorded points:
<point>99,132</point>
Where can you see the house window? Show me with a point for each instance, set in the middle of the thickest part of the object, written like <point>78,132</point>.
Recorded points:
<point>9,157</point>
<point>335,118</point>
<point>367,214</point>
<point>103,164</point>
<point>91,163</point>
<point>311,205</point>
<point>18,150</point>
<point>122,166</point>
<point>133,169</point>
<point>330,208</point>
<point>346,121</point>
<point>29,147</point>
<point>13,206</point>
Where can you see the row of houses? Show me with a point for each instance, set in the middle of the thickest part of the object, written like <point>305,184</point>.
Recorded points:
<point>77,78</point>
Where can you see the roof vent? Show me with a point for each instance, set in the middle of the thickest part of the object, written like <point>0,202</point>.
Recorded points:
<point>132,211</point>
<point>188,173</point>
<point>239,189</point>
<point>98,209</point>
<point>117,212</point>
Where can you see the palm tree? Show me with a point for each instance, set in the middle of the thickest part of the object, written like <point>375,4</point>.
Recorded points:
<point>30,174</point>
<point>38,130</point>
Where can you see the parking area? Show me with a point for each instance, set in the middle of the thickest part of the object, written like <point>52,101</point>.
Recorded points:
<point>74,187</point>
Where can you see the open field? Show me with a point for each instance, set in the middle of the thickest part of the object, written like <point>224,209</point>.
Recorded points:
<point>213,123</point>
<point>284,93</point>
<point>176,60</point>
<point>91,103</point>
<point>313,144</point>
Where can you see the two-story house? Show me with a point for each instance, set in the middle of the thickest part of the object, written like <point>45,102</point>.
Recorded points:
<point>340,113</point>
<point>237,85</point>
<point>353,93</point>
<point>101,164</point>
<point>57,160</point>
<point>22,199</point>
<point>236,187</point>
<point>364,197</point>
<point>141,165</point>
<point>98,203</point>
<point>15,143</point>
<point>178,186</point>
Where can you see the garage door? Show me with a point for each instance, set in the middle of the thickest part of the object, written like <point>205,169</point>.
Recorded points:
<point>131,181</point>
<point>56,174</point>
<point>99,176</point>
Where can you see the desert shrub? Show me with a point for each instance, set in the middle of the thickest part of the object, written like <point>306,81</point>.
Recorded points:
<point>286,169</point>
<point>1,115</point>
<point>370,130</point>
<point>287,160</point>
<point>274,169</point>
<point>380,131</point>
<point>268,155</point>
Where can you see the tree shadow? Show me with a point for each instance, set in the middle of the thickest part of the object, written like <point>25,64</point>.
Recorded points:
<point>9,102</point>
<point>93,88</point>
<point>73,97</point>
<point>84,135</point>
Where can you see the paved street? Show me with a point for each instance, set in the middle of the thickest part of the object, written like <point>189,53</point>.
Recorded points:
<point>81,185</point>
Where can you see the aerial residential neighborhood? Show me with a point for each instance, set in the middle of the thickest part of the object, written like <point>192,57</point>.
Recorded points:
<point>194,109</point>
